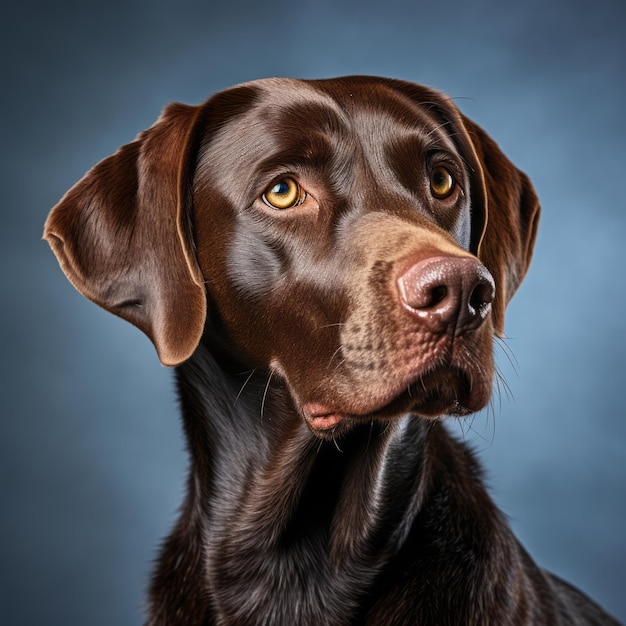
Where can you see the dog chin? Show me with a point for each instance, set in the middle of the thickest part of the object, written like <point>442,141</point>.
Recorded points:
<point>449,394</point>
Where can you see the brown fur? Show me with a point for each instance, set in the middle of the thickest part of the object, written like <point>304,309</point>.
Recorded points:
<point>317,345</point>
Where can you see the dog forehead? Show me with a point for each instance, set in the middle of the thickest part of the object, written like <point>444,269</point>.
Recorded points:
<point>349,102</point>
<point>283,112</point>
<point>278,108</point>
<point>282,120</point>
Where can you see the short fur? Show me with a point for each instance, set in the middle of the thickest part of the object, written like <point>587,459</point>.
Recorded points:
<point>317,345</point>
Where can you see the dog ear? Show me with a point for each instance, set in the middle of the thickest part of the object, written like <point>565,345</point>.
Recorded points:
<point>505,214</point>
<point>123,236</point>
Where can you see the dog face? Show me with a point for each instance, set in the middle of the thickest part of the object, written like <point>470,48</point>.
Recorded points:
<point>356,238</point>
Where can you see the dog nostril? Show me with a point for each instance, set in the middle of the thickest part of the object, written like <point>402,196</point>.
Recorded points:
<point>448,294</point>
<point>437,295</point>
<point>481,298</point>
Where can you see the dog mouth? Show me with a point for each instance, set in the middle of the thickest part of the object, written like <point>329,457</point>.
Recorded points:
<point>432,395</point>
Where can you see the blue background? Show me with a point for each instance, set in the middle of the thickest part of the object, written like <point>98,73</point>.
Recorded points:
<point>91,455</point>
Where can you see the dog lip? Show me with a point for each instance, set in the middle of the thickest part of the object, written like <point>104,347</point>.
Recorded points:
<point>321,417</point>
<point>452,393</point>
<point>463,400</point>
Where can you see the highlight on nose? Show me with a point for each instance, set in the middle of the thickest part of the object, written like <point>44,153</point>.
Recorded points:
<point>447,293</point>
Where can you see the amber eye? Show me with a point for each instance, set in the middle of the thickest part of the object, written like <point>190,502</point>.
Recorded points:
<point>441,182</point>
<point>285,194</point>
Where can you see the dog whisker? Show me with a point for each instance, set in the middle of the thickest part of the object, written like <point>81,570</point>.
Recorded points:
<point>334,354</point>
<point>250,375</point>
<point>267,386</point>
<point>501,380</point>
<point>508,353</point>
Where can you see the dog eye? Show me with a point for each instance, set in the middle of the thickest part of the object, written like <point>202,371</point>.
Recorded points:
<point>285,194</point>
<point>442,183</point>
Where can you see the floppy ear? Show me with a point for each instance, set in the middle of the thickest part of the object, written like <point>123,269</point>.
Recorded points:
<point>122,235</point>
<point>505,210</point>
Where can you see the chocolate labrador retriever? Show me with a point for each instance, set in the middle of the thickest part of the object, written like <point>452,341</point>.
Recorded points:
<point>326,263</point>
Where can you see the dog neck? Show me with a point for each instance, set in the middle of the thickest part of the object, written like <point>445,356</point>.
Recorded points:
<point>271,496</point>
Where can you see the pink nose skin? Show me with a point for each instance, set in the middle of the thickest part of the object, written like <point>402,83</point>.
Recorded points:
<point>448,294</point>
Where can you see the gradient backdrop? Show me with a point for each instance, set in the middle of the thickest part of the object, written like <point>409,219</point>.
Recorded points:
<point>91,456</point>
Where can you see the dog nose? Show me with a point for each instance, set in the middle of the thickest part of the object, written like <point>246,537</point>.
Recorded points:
<point>449,294</point>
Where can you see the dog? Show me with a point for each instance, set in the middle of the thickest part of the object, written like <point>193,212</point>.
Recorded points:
<point>326,263</point>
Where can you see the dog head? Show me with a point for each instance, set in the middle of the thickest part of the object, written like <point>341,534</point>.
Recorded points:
<point>357,237</point>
